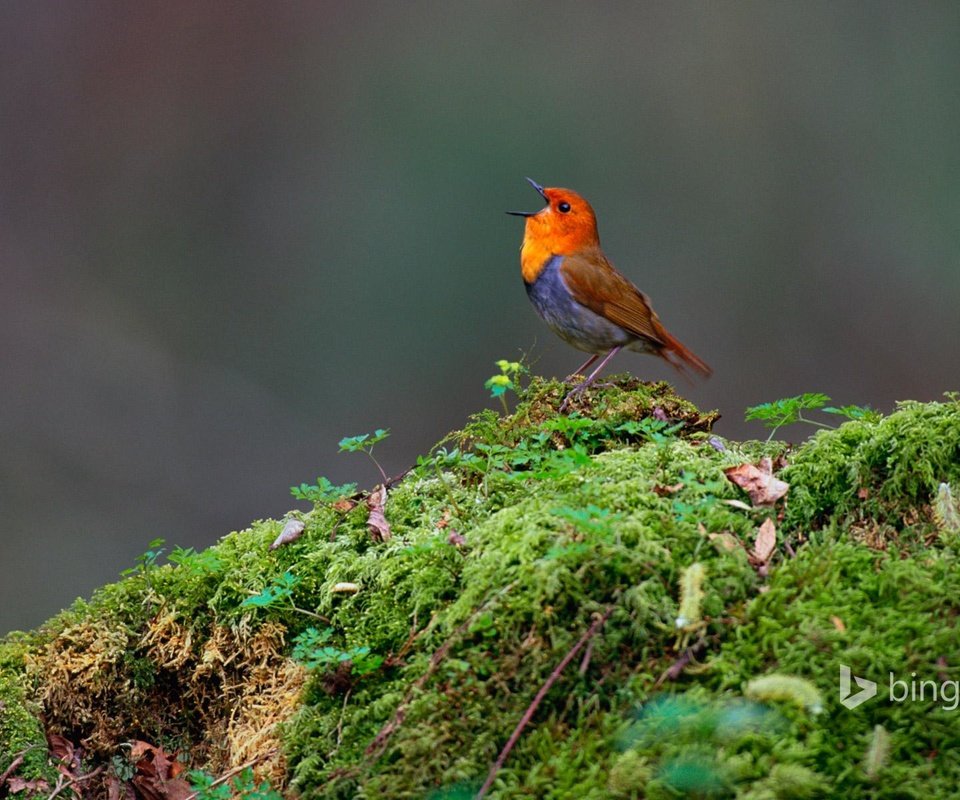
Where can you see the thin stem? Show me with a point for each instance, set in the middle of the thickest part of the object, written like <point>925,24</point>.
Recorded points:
<point>532,708</point>
<point>377,465</point>
<point>310,613</point>
<point>801,418</point>
<point>449,489</point>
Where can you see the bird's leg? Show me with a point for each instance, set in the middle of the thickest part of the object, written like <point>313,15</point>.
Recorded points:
<point>590,378</point>
<point>579,370</point>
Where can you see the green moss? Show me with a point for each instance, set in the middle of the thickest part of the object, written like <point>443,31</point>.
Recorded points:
<point>20,729</point>
<point>508,543</point>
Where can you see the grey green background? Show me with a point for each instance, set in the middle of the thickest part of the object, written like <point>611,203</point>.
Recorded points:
<point>231,234</point>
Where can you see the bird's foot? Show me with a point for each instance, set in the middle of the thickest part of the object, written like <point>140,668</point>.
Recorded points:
<point>576,391</point>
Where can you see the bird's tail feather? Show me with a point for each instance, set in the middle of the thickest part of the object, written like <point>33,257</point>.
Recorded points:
<point>683,359</point>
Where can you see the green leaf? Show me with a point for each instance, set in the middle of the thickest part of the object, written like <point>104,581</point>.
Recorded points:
<point>864,413</point>
<point>353,444</point>
<point>786,411</point>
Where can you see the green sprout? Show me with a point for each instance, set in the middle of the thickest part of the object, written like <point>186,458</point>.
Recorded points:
<point>789,411</point>
<point>364,443</point>
<point>506,381</point>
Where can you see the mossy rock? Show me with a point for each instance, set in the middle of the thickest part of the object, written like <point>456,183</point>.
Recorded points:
<point>345,667</point>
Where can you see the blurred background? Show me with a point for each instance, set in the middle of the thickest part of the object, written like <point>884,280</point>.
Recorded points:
<point>231,234</point>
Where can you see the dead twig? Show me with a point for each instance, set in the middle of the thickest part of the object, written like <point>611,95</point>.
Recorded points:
<point>343,711</point>
<point>17,761</point>
<point>378,745</point>
<point>69,783</point>
<point>535,703</point>
<point>675,670</point>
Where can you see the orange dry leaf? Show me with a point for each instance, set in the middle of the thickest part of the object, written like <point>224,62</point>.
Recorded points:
<point>663,491</point>
<point>156,773</point>
<point>766,542</point>
<point>344,505</point>
<point>758,481</point>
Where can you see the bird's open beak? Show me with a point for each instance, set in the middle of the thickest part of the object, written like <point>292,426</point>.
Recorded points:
<point>539,188</point>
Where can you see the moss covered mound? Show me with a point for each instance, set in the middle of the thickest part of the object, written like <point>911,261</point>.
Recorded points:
<point>568,607</point>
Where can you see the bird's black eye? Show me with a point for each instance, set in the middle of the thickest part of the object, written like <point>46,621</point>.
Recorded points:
<point>563,208</point>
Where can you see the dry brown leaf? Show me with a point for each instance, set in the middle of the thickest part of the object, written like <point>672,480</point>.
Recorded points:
<point>766,541</point>
<point>156,773</point>
<point>376,520</point>
<point>758,481</point>
<point>17,784</point>
<point>156,789</point>
<point>838,624</point>
<point>344,505</point>
<point>663,491</point>
<point>61,748</point>
<point>292,531</point>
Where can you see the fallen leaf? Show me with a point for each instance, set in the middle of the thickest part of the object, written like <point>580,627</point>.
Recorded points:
<point>344,505</point>
<point>155,773</point>
<point>766,542</point>
<point>456,539</point>
<point>376,521</point>
<point>838,623</point>
<point>292,531</point>
<point>738,504</point>
<point>17,784</point>
<point>156,789</point>
<point>863,492</point>
<point>724,541</point>
<point>61,748</point>
<point>758,481</point>
<point>663,491</point>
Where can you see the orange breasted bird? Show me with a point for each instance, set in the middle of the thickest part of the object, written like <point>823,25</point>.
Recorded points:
<point>581,295</point>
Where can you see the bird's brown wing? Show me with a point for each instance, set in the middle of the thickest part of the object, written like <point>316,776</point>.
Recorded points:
<point>594,283</point>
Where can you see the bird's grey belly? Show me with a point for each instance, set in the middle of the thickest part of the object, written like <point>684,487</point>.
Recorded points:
<point>575,324</point>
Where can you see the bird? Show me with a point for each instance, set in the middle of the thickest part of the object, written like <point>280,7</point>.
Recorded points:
<point>582,297</point>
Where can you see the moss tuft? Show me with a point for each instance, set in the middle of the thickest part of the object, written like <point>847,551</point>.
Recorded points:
<point>519,540</point>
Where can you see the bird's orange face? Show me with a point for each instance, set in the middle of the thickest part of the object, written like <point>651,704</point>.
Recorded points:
<point>567,221</point>
<point>564,226</point>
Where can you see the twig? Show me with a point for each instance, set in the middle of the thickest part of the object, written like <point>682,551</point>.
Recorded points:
<point>64,784</point>
<point>235,771</point>
<point>675,670</point>
<point>379,743</point>
<point>343,711</point>
<point>17,761</point>
<point>531,709</point>
<point>311,614</point>
<point>585,664</point>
